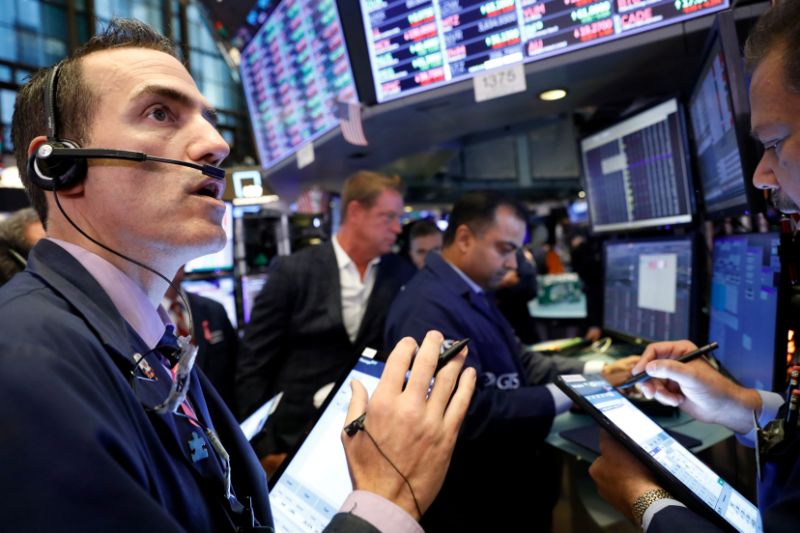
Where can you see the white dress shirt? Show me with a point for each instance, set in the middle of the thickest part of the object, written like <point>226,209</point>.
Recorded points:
<point>354,291</point>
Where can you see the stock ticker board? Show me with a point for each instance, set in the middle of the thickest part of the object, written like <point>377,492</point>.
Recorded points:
<point>293,71</point>
<point>415,45</point>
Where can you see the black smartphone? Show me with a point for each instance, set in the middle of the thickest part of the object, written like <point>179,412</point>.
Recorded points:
<point>449,353</point>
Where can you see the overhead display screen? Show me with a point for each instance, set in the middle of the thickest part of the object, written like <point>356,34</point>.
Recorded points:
<point>418,44</point>
<point>294,70</point>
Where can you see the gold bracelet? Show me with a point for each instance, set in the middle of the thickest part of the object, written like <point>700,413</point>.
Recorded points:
<point>647,499</point>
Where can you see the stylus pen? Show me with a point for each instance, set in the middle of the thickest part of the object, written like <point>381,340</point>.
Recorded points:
<point>358,424</point>
<point>691,356</point>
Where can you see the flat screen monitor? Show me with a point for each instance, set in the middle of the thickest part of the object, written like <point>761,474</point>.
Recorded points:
<point>219,289</point>
<point>222,260</point>
<point>417,45</point>
<point>744,306</point>
<point>251,287</point>
<point>719,114</point>
<point>636,172</point>
<point>649,289</point>
<point>294,70</point>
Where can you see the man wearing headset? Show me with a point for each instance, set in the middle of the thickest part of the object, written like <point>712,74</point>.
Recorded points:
<point>98,431</point>
<point>773,52</point>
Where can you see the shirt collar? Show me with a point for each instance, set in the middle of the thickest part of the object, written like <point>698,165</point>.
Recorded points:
<point>129,299</point>
<point>343,260</point>
<point>472,285</point>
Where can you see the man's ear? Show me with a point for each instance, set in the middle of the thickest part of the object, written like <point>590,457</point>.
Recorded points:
<point>35,143</point>
<point>463,237</point>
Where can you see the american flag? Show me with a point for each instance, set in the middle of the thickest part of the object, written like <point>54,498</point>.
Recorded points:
<point>349,115</point>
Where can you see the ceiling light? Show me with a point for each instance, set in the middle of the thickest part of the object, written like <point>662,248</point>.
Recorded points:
<point>552,94</point>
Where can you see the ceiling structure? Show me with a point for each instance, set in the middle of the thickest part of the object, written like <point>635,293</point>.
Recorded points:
<point>420,136</point>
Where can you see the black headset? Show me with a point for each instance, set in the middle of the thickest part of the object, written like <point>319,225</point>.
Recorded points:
<point>61,163</point>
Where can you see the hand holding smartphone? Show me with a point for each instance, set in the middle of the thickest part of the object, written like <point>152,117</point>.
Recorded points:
<point>358,424</point>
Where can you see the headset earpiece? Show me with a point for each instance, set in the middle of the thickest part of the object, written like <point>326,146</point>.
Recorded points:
<point>46,170</point>
<point>55,172</point>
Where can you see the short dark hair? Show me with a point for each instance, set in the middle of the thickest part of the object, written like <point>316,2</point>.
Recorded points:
<point>365,186</point>
<point>423,228</point>
<point>75,103</point>
<point>477,210</point>
<point>778,29</point>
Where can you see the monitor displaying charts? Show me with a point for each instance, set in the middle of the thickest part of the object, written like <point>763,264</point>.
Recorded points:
<point>416,45</point>
<point>649,288</point>
<point>294,71</point>
<point>636,172</point>
<point>745,280</point>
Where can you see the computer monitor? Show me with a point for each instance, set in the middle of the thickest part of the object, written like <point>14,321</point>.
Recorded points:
<point>222,260</point>
<point>744,306</point>
<point>251,287</point>
<point>649,289</point>
<point>220,289</point>
<point>636,172</point>
<point>719,114</point>
<point>418,45</point>
<point>293,71</point>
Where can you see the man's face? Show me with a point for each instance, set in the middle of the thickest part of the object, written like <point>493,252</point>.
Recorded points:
<point>378,226</point>
<point>420,246</point>
<point>149,103</point>
<point>491,253</point>
<point>775,123</point>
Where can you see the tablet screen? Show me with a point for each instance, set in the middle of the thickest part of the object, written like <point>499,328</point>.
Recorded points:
<point>605,402</point>
<point>315,482</point>
<point>255,422</point>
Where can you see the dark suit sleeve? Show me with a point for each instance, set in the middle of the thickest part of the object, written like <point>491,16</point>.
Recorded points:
<point>349,523</point>
<point>265,337</point>
<point>491,409</point>
<point>676,518</point>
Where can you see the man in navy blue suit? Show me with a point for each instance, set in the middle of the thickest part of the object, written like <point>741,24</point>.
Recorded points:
<point>501,441</point>
<point>773,54</point>
<point>105,425</point>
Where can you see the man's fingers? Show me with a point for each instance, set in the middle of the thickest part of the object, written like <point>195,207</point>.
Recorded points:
<point>394,374</point>
<point>445,381</point>
<point>358,402</point>
<point>457,408</point>
<point>662,350</point>
<point>424,365</point>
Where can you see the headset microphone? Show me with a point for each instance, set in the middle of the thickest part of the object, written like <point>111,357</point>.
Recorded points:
<point>61,166</point>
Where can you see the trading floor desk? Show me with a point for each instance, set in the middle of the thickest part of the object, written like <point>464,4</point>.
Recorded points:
<point>582,491</point>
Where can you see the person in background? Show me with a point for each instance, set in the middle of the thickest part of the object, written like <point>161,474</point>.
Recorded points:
<point>424,237</point>
<point>320,309</point>
<point>106,426</point>
<point>18,234</point>
<point>501,443</point>
<point>212,332</point>
<point>772,52</point>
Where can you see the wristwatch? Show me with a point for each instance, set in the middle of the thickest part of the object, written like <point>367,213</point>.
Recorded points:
<point>647,499</point>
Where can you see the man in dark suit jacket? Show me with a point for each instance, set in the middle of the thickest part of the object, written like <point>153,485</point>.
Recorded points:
<point>772,52</point>
<point>318,311</point>
<point>500,444</point>
<point>106,425</point>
